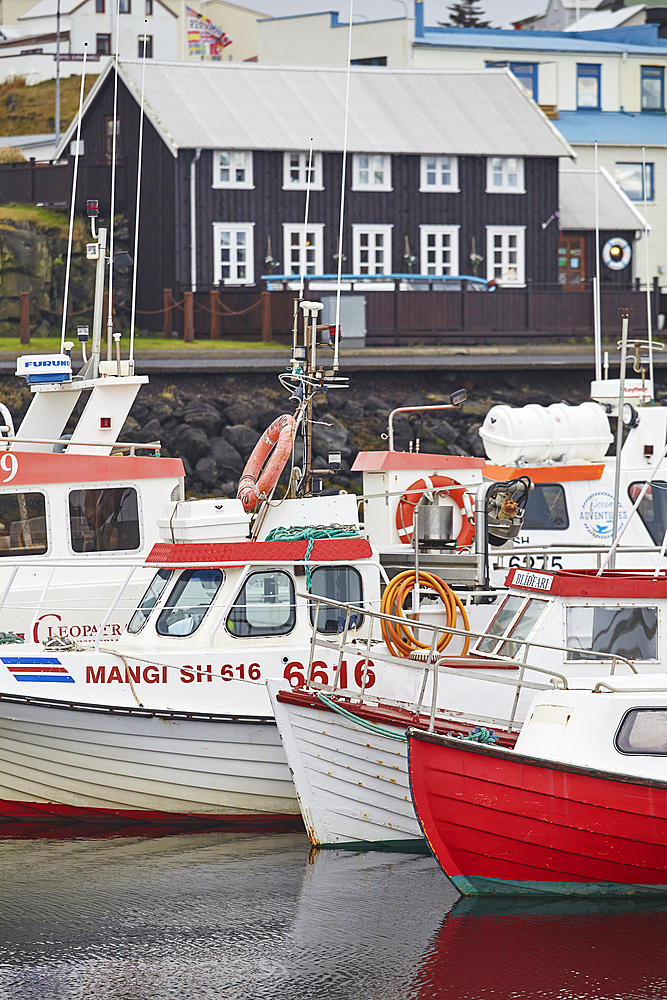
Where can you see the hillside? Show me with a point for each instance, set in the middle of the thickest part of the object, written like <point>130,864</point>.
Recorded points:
<point>31,110</point>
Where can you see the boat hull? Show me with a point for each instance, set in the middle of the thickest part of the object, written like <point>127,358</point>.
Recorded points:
<point>100,764</point>
<point>505,823</point>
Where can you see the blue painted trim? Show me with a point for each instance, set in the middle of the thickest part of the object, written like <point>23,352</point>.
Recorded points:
<point>475,885</point>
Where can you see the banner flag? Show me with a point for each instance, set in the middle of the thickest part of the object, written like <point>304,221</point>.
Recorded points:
<point>204,37</point>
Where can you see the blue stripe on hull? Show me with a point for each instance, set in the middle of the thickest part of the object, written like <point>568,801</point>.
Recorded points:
<point>47,678</point>
<point>475,885</point>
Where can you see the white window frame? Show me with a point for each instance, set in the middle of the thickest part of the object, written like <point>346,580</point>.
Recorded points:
<point>301,185</point>
<point>439,186</point>
<point>453,233</point>
<point>245,184</point>
<point>234,227</point>
<point>357,230</point>
<point>505,187</point>
<point>361,167</point>
<point>505,264</point>
<point>317,228</point>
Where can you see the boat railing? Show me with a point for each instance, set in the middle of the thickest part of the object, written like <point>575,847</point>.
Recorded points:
<point>434,662</point>
<point>126,447</point>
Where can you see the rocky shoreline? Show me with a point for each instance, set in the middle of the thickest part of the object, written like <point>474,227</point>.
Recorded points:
<point>213,423</point>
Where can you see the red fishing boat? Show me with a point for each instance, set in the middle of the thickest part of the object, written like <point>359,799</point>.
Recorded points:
<point>578,807</point>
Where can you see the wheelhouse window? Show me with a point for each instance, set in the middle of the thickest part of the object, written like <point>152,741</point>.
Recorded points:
<point>546,509</point>
<point>439,250</point>
<point>149,600</point>
<point>265,606</point>
<point>232,168</point>
<point>189,601</point>
<point>635,180</point>
<point>371,249</point>
<point>371,172</point>
<point>299,172</point>
<point>653,508</point>
<point>643,731</point>
<point>515,618</point>
<point>630,632</point>
<point>653,88</point>
<point>234,262</point>
<point>337,583</point>
<point>504,175</point>
<point>105,520</point>
<point>588,87</point>
<point>23,526</point>
<point>439,173</point>
<point>303,248</point>
<point>505,255</point>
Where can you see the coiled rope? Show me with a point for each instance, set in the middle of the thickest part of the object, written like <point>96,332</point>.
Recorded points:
<point>400,638</point>
<point>312,533</point>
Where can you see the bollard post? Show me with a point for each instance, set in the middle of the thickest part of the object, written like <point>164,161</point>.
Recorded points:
<point>24,327</point>
<point>267,323</point>
<point>189,317</point>
<point>214,300</point>
<point>168,315</point>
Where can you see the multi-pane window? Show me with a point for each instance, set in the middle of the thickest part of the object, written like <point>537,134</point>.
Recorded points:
<point>303,249</point>
<point>504,175</point>
<point>371,249</point>
<point>232,168</point>
<point>439,173</point>
<point>505,254</point>
<point>439,251</point>
<point>103,45</point>
<point>371,172</point>
<point>588,87</point>
<point>630,177</point>
<point>653,88</point>
<point>233,261</point>
<point>146,42</point>
<point>124,6</point>
<point>526,74</point>
<point>301,172</point>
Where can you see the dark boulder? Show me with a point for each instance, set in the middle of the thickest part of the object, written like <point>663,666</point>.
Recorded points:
<point>242,438</point>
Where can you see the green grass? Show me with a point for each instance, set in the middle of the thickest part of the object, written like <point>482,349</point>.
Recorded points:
<point>43,218</point>
<point>46,345</point>
<point>31,110</point>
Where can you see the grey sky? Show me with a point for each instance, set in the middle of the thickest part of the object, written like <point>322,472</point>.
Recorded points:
<point>500,12</point>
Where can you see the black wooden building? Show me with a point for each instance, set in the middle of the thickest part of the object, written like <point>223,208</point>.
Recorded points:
<point>448,173</point>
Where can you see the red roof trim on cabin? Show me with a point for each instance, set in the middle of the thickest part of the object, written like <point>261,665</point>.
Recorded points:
<point>618,584</point>
<point>35,468</point>
<point>386,461</point>
<point>545,473</point>
<point>239,553</point>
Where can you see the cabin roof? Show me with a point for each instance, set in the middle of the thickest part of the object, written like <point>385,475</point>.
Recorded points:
<point>213,554</point>
<point>388,461</point>
<point>217,105</point>
<point>617,584</point>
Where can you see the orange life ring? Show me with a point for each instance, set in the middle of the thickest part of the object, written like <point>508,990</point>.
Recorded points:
<point>253,487</point>
<point>405,511</point>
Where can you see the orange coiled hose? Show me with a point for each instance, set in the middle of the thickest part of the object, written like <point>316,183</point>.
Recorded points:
<point>401,638</point>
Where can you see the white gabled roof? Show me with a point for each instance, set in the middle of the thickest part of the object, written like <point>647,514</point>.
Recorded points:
<point>577,201</point>
<point>255,106</point>
<point>603,20</point>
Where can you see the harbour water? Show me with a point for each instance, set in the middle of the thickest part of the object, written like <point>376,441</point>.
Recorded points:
<point>248,917</point>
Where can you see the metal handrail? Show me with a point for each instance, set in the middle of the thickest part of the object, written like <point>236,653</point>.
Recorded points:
<point>435,662</point>
<point>64,443</point>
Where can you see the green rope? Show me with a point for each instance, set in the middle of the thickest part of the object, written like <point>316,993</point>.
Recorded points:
<point>477,735</point>
<point>6,637</point>
<point>373,727</point>
<point>312,533</point>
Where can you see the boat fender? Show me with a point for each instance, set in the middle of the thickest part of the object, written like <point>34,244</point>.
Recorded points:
<point>405,511</point>
<point>255,487</point>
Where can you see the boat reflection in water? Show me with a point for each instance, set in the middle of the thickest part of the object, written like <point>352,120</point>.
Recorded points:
<point>588,949</point>
<point>214,916</point>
